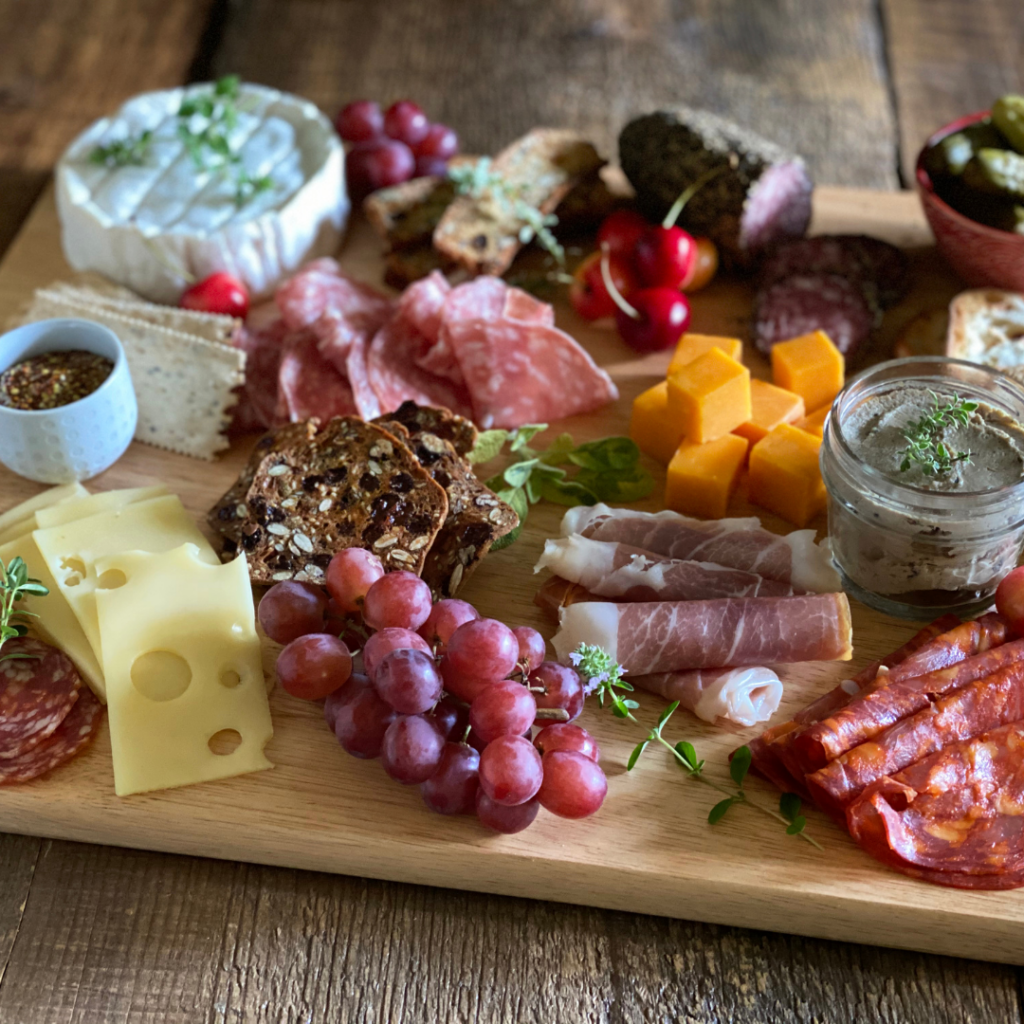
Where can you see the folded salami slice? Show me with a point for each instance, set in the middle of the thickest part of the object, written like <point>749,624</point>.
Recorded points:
<point>734,543</point>
<point>954,817</point>
<point>38,688</point>
<point>625,573</point>
<point>309,385</point>
<point>672,636</point>
<point>890,702</point>
<point>744,696</point>
<point>985,704</point>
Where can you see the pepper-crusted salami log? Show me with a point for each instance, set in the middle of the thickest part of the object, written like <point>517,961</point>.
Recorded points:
<point>954,817</point>
<point>759,195</point>
<point>38,688</point>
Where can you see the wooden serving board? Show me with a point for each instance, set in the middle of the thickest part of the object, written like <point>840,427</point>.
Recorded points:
<point>650,848</point>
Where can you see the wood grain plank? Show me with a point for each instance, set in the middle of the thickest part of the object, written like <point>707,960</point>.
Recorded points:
<point>814,83</point>
<point>948,58</point>
<point>147,938</point>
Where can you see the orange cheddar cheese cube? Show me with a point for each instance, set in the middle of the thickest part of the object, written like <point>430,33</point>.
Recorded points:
<point>655,432</point>
<point>691,346</point>
<point>784,474</point>
<point>811,366</point>
<point>709,397</point>
<point>771,406</point>
<point>702,477</point>
<point>815,423</point>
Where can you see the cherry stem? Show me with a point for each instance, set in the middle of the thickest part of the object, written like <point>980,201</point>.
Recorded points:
<point>688,193</point>
<point>465,735</point>
<point>617,297</point>
<point>555,714</point>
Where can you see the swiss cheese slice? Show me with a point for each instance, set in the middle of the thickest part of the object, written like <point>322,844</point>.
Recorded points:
<point>18,521</point>
<point>93,504</point>
<point>55,622</point>
<point>72,550</point>
<point>181,657</point>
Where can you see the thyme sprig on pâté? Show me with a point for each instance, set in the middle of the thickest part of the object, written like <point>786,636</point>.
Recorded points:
<point>15,586</point>
<point>925,447</point>
<point>603,676</point>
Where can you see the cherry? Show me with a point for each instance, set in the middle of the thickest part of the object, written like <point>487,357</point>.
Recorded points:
<point>620,231</point>
<point>588,294</point>
<point>665,256</point>
<point>704,266</point>
<point>653,319</point>
<point>221,292</point>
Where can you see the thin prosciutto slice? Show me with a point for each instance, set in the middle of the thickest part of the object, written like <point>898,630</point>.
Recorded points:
<point>744,696</point>
<point>736,543</point>
<point>625,573</point>
<point>672,636</point>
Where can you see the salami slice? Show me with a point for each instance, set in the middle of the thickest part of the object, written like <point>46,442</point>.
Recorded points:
<point>812,302</point>
<point>321,287</point>
<point>953,817</point>
<point>264,349</point>
<point>889,266</point>
<point>72,736</point>
<point>822,254</point>
<point>309,385</point>
<point>36,693</point>
<point>520,305</point>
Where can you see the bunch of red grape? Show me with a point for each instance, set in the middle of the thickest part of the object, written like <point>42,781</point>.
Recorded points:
<point>448,700</point>
<point>392,146</point>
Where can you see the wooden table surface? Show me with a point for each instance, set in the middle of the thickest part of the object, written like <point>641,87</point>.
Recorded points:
<point>102,934</point>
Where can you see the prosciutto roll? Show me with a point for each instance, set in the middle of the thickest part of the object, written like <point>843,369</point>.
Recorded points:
<point>953,818</point>
<point>734,543</point>
<point>624,573</point>
<point>673,636</point>
<point>745,696</point>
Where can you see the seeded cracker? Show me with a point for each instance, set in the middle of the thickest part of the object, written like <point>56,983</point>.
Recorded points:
<point>353,484</point>
<point>418,419</point>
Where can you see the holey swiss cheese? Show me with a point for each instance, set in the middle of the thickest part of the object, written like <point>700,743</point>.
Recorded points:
<point>181,657</point>
<point>161,217</point>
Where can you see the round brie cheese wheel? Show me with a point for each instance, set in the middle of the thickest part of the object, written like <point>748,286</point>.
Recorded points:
<point>154,225</point>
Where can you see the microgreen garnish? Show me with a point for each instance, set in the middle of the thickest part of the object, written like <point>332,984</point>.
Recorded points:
<point>607,470</point>
<point>128,152</point>
<point>603,676</point>
<point>479,180</point>
<point>15,585</point>
<point>925,447</point>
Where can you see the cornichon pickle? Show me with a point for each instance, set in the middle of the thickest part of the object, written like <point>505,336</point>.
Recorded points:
<point>996,171</point>
<point>1008,117</point>
<point>949,156</point>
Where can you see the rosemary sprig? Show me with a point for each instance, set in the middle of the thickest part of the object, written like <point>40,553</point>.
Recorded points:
<point>479,180</point>
<point>16,584</point>
<point>604,677</point>
<point>925,447</point>
<point>128,152</point>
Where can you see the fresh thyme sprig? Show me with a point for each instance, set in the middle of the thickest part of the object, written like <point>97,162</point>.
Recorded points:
<point>129,152</point>
<point>604,677</point>
<point>925,447</point>
<point>16,584</point>
<point>479,180</point>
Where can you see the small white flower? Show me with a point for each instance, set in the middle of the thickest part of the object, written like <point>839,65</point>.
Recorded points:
<point>576,657</point>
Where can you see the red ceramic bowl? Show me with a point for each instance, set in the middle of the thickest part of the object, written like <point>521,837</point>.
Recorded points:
<point>981,255</point>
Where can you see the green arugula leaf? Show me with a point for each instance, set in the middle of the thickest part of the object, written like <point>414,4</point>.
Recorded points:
<point>525,434</point>
<point>717,813</point>
<point>519,472</point>
<point>566,492</point>
<point>488,445</point>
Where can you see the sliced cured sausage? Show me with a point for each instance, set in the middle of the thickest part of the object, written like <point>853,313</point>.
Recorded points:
<point>322,287</point>
<point>309,385</point>
<point>38,687</point>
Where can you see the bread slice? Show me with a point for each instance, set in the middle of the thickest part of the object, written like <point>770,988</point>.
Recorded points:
<point>986,326</point>
<point>482,234</point>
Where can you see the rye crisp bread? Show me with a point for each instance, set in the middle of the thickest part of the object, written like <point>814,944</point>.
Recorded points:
<point>456,430</point>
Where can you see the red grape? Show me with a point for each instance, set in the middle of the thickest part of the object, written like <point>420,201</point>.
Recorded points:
<point>384,641</point>
<point>453,787</point>
<point>561,686</point>
<point>399,600</point>
<point>406,122</point>
<point>220,292</point>
<point>449,718</point>
<point>360,121</point>
<point>431,167</point>
<point>505,708</point>
<point>291,609</point>
<point>465,687</point>
<point>504,819</point>
<point>566,736</point>
<point>314,665</point>
<point>486,648</point>
<point>445,617</point>
<point>362,719</point>
<point>531,647</point>
<point>341,696</point>
<point>412,749</point>
<point>378,164</point>
<point>573,787</point>
<point>350,575</point>
<point>510,770</point>
<point>408,681</point>
<point>440,141</point>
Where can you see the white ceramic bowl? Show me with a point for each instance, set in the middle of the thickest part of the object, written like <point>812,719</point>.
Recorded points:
<point>75,441</point>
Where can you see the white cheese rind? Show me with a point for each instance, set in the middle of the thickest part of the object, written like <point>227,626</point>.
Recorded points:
<point>142,226</point>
